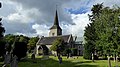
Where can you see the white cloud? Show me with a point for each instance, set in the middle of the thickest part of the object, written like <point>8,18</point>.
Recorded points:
<point>36,16</point>
<point>80,21</point>
<point>108,3</point>
<point>41,30</point>
<point>24,16</point>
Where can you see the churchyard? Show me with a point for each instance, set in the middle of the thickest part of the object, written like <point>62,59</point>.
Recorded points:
<point>70,62</point>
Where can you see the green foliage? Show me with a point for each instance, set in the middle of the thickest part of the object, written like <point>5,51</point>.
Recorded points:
<point>32,42</point>
<point>23,39</point>
<point>20,49</point>
<point>90,34</point>
<point>58,43</point>
<point>90,37</point>
<point>87,52</point>
<point>10,38</point>
<point>103,33</point>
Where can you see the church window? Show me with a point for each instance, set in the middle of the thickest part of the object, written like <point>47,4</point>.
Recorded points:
<point>53,34</point>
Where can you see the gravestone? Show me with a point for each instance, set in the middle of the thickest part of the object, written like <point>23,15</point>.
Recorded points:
<point>33,56</point>
<point>7,58</point>
<point>14,62</point>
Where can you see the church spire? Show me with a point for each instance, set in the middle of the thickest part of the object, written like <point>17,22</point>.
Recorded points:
<point>55,30</point>
<point>56,22</point>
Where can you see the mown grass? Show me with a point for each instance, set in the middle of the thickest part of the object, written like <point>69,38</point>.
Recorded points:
<point>71,62</point>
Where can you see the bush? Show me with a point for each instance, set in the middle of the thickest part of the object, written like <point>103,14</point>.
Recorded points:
<point>20,50</point>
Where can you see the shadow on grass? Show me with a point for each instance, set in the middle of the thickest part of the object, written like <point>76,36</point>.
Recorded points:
<point>53,63</point>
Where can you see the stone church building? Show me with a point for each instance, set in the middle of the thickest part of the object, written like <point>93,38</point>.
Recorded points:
<point>44,43</point>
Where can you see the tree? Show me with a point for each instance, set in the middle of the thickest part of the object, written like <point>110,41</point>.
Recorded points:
<point>17,45</point>
<point>10,39</point>
<point>20,49</point>
<point>90,37</point>
<point>90,34</point>
<point>2,43</point>
<point>58,46</point>
<point>32,43</point>
<point>24,39</point>
<point>105,22</point>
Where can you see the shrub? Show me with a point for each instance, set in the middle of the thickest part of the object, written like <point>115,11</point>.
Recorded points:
<point>20,49</point>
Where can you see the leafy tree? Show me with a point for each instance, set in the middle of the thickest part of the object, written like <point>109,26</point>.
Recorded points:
<point>58,46</point>
<point>10,38</point>
<point>24,39</point>
<point>17,44</point>
<point>106,24</point>
<point>32,43</point>
<point>2,43</point>
<point>90,34</point>
<point>20,49</point>
<point>90,37</point>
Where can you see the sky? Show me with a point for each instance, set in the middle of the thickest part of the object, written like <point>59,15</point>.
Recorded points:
<point>35,17</point>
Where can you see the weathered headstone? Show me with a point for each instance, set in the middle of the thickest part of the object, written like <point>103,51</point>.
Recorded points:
<point>33,58</point>
<point>7,58</point>
<point>14,62</point>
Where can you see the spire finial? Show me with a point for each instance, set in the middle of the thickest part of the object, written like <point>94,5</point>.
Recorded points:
<point>56,21</point>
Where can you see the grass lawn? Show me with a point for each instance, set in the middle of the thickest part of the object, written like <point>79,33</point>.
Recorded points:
<point>71,62</point>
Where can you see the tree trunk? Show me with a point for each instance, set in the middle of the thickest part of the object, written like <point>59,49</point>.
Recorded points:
<point>117,61</point>
<point>92,57</point>
<point>115,58</point>
<point>109,63</point>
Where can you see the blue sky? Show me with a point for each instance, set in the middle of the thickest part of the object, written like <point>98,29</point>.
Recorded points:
<point>78,11</point>
<point>35,17</point>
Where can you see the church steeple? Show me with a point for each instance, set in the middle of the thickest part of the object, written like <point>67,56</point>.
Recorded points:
<point>56,22</point>
<point>55,30</point>
<point>56,19</point>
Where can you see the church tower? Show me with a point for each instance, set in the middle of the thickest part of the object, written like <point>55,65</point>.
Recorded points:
<point>55,30</point>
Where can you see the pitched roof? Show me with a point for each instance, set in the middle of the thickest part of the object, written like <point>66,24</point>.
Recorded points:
<point>50,40</point>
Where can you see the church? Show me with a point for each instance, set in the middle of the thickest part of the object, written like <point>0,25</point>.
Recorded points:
<point>44,43</point>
